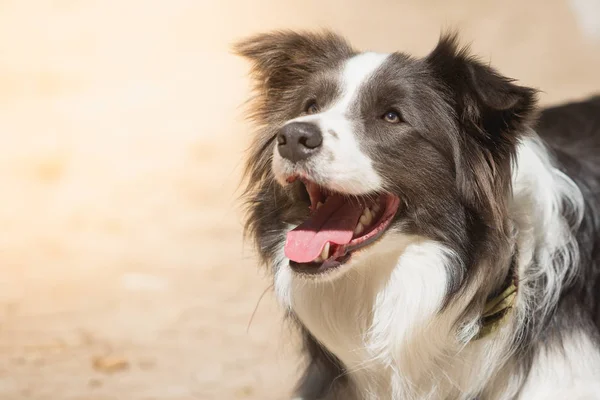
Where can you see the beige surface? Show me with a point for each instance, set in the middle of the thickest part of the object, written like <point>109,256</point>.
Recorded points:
<point>121,135</point>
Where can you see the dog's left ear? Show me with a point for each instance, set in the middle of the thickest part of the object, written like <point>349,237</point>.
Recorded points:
<point>492,114</point>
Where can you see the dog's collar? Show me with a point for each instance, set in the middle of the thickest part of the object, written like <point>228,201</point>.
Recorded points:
<point>497,308</point>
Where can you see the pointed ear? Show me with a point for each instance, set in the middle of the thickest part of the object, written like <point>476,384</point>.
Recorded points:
<point>284,58</point>
<point>491,102</point>
<point>493,112</point>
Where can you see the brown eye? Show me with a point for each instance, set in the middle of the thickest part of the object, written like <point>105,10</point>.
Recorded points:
<point>392,117</point>
<point>312,108</point>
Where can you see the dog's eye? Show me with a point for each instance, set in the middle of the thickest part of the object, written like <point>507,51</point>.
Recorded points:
<point>312,108</point>
<point>392,117</point>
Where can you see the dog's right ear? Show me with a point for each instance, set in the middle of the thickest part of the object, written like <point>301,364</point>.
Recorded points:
<point>282,59</point>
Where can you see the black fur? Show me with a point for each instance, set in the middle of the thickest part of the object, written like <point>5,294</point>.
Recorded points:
<point>573,133</point>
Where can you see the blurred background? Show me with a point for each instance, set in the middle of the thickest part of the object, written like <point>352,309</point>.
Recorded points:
<point>122,269</point>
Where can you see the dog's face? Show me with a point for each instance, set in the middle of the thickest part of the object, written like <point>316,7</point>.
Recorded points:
<point>355,145</point>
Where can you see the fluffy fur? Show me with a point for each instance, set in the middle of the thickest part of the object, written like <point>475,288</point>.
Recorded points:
<point>490,187</point>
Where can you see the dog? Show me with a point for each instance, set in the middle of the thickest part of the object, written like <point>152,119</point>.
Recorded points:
<point>431,232</point>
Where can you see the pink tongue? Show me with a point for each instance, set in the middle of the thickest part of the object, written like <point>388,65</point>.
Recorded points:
<point>333,222</point>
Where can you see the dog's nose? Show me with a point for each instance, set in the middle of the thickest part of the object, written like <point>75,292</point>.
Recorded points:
<point>297,141</point>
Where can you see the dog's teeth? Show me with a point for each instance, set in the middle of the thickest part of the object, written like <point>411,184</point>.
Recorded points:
<point>325,252</point>
<point>376,208</point>
<point>359,228</point>
<point>318,259</point>
<point>363,219</point>
<point>319,205</point>
<point>366,218</point>
<point>369,215</point>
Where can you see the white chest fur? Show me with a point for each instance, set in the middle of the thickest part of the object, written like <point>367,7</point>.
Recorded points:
<point>372,314</point>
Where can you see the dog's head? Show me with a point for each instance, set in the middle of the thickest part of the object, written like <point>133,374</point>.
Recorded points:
<point>353,145</point>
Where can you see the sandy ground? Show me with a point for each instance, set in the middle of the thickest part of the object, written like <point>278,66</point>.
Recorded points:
<point>123,273</point>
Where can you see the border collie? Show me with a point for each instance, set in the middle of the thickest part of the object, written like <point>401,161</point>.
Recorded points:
<point>430,231</point>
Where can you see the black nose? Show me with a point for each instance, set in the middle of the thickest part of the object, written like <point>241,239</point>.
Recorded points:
<point>297,141</point>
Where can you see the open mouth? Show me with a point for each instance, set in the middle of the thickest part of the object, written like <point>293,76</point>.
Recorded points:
<point>338,226</point>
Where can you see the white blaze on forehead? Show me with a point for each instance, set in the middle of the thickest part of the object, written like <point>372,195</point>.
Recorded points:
<point>351,170</point>
<point>356,72</point>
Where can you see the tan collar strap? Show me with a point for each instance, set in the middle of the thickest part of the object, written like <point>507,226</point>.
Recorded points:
<point>497,309</point>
